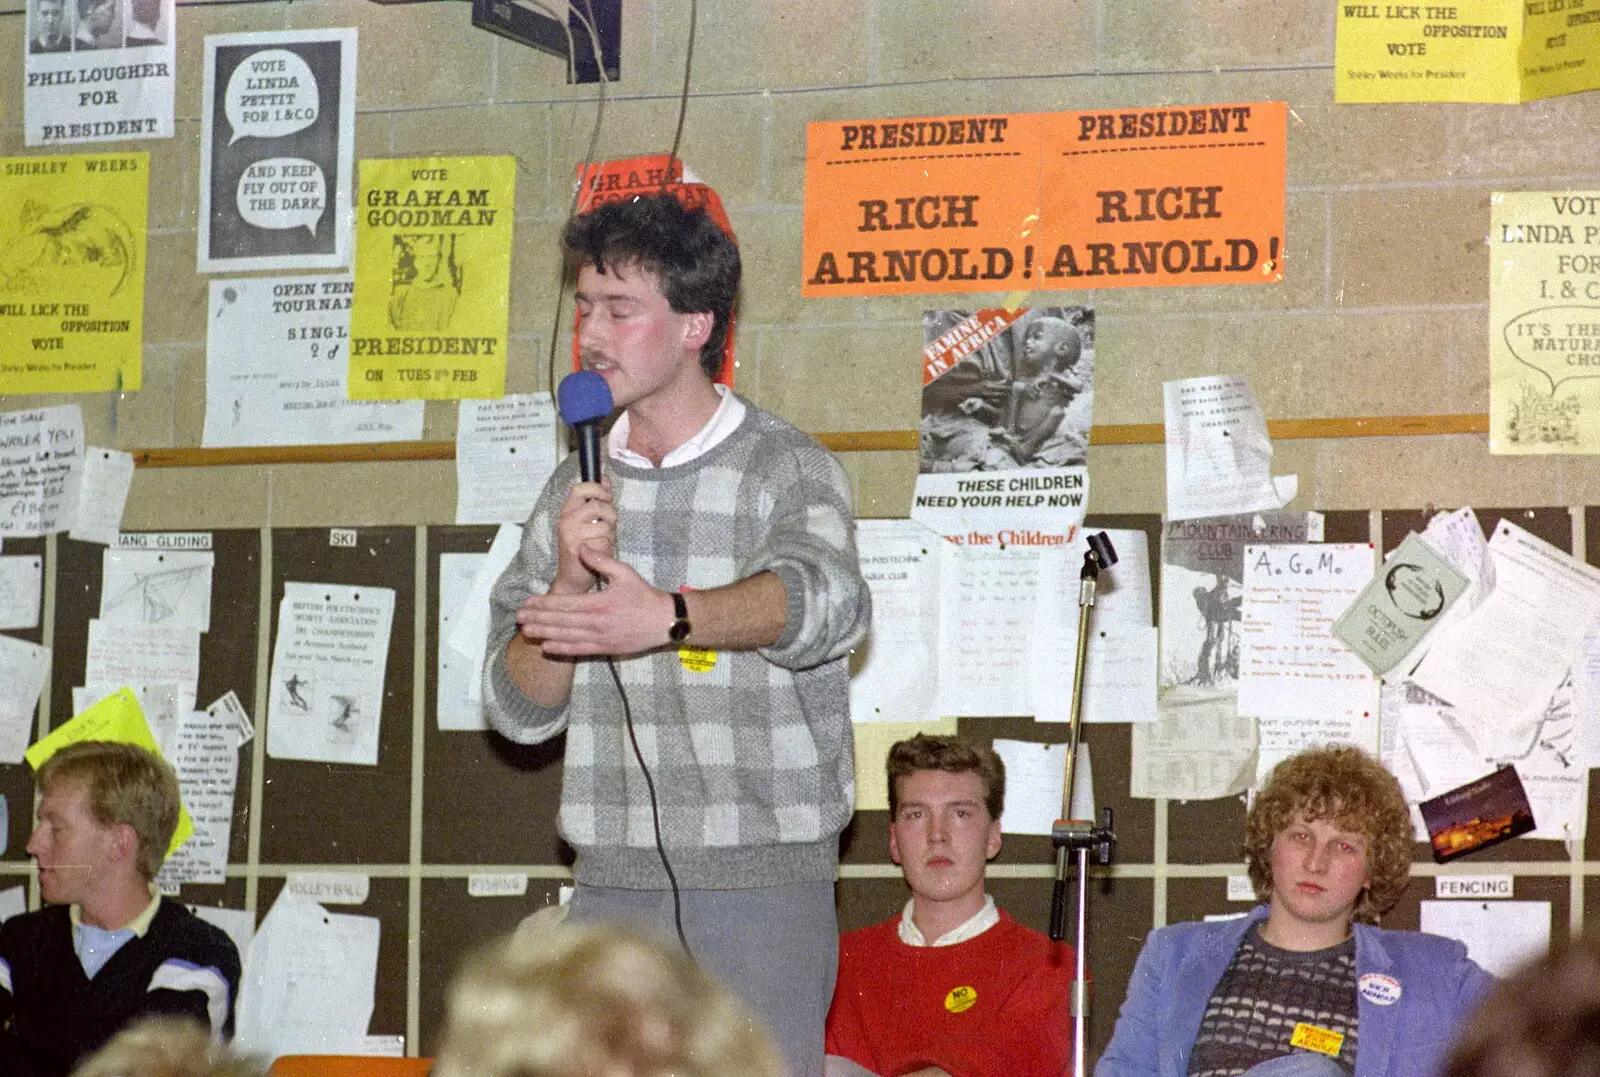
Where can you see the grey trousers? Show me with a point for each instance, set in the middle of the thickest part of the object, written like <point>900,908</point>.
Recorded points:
<point>777,947</point>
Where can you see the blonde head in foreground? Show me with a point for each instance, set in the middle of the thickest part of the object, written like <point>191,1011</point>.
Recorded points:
<point>596,1000</point>
<point>166,1047</point>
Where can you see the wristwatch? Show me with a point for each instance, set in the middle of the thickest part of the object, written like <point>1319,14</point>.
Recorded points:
<point>680,619</point>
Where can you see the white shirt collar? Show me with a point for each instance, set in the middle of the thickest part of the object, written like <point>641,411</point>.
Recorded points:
<point>138,925</point>
<point>724,421</point>
<point>980,921</point>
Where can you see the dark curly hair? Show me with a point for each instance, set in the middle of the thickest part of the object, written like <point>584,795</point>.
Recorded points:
<point>1345,785</point>
<point>695,262</point>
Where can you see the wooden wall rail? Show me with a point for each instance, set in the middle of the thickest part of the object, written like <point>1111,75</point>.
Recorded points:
<point>839,441</point>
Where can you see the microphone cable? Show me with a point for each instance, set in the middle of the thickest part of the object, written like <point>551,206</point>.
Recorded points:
<point>655,809</point>
<point>584,398</point>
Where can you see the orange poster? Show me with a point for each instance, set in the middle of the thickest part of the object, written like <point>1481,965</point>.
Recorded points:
<point>604,182</point>
<point>1046,200</point>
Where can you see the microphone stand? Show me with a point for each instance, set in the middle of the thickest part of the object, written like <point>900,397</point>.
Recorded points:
<point>1080,837</point>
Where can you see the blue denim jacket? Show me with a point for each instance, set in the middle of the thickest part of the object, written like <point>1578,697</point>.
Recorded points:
<point>1413,990</point>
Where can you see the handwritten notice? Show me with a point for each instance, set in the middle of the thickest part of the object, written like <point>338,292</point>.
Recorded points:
<point>1302,684</point>
<point>458,701</point>
<point>1459,538</point>
<point>21,588</point>
<point>894,672</point>
<point>1036,775</point>
<point>103,485</point>
<point>206,759</point>
<point>1290,662</point>
<point>1120,674</point>
<point>121,653</point>
<point>23,669</point>
<point>986,632</point>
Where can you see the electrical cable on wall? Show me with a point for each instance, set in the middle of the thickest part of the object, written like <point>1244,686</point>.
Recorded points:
<point>577,191</point>
<point>683,96</point>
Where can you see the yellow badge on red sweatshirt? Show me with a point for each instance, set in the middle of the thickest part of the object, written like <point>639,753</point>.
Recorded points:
<point>1324,1041</point>
<point>961,999</point>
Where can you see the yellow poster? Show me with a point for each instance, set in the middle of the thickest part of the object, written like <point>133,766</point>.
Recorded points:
<point>1544,322</point>
<point>873,741</point>
<point>433,278</point>
<point>72,241</point>
<point>1492,51</point>
<point>1560,48</point>
<point>115,718</point>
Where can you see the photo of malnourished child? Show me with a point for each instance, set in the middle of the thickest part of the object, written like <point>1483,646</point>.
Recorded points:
<point>1021,398</point>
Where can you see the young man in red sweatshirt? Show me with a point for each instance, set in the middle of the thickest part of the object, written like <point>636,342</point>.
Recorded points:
<point>952,985</point>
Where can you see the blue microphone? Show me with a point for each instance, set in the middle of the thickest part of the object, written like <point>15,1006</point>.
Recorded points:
<point>584,400</point>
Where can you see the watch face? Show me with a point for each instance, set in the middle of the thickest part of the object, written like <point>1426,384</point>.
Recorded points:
<point>679,631</point>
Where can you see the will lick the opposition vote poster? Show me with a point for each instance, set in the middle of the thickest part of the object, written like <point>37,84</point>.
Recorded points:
<point>72,264</point>
<point>1503,51</point>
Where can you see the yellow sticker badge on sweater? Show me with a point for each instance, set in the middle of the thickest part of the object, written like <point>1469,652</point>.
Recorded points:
<point>961,999</point>
<point>1324,1041</point>
<point>697,659</point>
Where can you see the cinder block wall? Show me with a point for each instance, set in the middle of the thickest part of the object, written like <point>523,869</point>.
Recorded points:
<point>1382,312</point>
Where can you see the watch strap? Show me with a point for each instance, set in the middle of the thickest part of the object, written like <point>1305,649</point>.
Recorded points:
<point>679,631</point>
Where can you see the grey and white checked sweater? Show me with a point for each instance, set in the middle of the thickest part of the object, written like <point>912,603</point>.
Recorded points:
<point>752,759</point>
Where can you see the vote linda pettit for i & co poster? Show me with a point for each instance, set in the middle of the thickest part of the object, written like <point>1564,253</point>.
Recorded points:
<point>278,130</point>
<point>1544,322</point>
